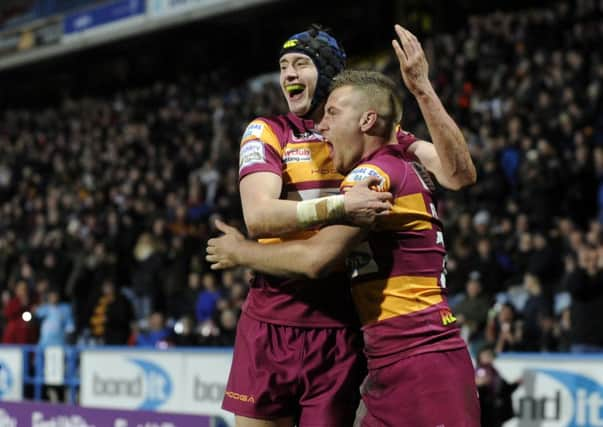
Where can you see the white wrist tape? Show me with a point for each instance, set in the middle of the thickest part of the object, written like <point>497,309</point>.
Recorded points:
<point>320,211</point>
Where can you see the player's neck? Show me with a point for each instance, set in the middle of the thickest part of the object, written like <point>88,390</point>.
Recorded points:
<point>374,143</point>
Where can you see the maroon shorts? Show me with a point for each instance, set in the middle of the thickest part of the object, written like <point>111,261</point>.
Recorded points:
<point>428,390</point>
<point>311,374</point>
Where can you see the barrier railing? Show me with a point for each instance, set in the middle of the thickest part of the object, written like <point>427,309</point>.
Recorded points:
<point>35,365</point>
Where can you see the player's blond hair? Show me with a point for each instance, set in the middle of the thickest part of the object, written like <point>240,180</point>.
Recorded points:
<point>380,94</point>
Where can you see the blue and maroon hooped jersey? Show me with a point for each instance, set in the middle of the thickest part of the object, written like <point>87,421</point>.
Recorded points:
<point>398,280</point>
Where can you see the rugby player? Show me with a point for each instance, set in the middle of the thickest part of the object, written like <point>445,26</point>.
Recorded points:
<point>296,356</point>
<point>420,372</point>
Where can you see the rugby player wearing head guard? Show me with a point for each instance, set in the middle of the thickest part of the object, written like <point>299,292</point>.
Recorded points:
<point>297,357</point>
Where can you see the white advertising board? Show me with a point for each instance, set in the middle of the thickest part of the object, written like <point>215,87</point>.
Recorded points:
<point>205,382</point>
<point>11,374</point>
<point>122,379</point>
<point>188,382</point>
<point>557,391</point>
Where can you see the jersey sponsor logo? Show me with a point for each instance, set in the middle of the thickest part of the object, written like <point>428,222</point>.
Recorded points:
<point>239,396</point>
<point>297,155</point>
<point>252,152</point>
<point>364,172</point>
<point>254,130</point>
<point>447,317</point>
<point>324,171</point>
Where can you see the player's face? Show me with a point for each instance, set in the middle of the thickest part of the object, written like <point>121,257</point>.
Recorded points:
<point>298,81</point>
<point>341,126</point>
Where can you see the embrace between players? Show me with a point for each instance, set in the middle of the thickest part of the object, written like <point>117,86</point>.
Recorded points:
<point>333,254</point>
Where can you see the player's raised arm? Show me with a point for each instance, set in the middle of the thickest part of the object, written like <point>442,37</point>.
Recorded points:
<point>313,258</point>
<point>448,158</point>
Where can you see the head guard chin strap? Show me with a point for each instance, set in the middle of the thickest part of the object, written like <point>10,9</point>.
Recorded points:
<point>326,53</point>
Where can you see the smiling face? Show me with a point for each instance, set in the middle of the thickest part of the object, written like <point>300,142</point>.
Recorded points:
<point>298,80</point>
<point>341,125</point>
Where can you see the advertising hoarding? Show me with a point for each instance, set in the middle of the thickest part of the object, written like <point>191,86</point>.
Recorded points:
<point>11,374</point>
<point>556,391</point>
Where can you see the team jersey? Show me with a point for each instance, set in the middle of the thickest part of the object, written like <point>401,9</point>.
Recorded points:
<point>398,281</point>
<point>290,148</point>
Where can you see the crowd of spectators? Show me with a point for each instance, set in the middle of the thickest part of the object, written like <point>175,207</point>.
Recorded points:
<point>106,203</point>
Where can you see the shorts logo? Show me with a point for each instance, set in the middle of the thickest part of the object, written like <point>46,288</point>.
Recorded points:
<point>241,397</point>
<point>252,152</point>
<point>254,130</point>
<point>297,155</point>
<point>447,317</point>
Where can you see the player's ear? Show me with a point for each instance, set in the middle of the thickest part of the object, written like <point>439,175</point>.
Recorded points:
<point>368,120</point>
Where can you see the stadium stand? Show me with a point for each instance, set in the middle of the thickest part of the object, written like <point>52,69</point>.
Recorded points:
<point>122,188</point>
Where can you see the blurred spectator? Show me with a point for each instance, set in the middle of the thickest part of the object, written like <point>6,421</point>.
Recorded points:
<point>189,297</point>
<point>146,277</point>
<point>113,316</point>
<point>544,263</point>
<point>487,265</point>
<point>56,320</point>
<point>504,329</point>
<point>228,328</point>
<point>207,299</point>
<point>535,310</point>
<point>174,278</point>
<point>184,333</point>
<point>157,334</point>
<point>19,327</point>
<point>472,311</point>
<point>584,281</point>
<point>494,392</point>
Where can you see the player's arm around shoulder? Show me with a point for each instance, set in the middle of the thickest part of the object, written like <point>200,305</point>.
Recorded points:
<point>311,258</point>
<point>261,186</point>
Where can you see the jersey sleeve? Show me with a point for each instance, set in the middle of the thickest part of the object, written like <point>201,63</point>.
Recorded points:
<point>261,150</point>
<point>405,139</point>
<point>364,171</point>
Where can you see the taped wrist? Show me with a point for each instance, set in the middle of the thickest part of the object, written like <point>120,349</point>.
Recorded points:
<point>321,211</point>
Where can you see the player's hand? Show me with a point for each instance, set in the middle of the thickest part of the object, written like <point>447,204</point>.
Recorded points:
<point>413,63</point>
<point>363,205</point>
<point>222,251</point>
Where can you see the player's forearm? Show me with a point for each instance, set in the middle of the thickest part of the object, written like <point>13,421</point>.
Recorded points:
<point>291,259</point>
<point>457,166</point>
<point>272,217</point>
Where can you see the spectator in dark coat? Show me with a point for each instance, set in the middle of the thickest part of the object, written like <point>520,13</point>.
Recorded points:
<point>494,392</point>
<point>472,311</point>
<point>113,316</point>
<point>585,284</point>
